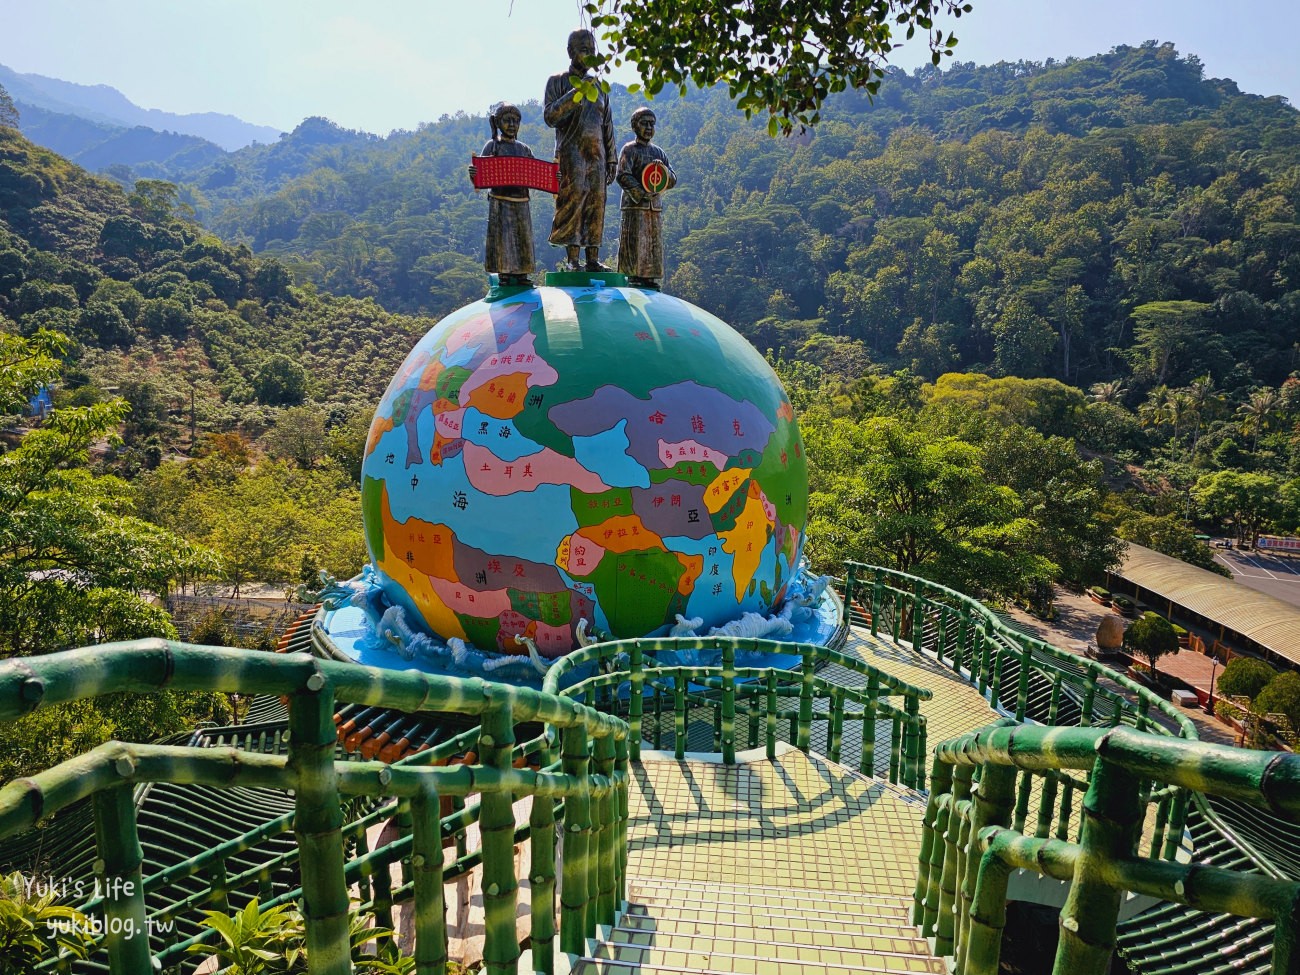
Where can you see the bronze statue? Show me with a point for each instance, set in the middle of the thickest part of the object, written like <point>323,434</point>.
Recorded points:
<point>584,149</point>
<point>643,173</point>
<point>509,251</point>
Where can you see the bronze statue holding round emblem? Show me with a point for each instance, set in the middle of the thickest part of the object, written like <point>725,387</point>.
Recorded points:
<point>644,173</point>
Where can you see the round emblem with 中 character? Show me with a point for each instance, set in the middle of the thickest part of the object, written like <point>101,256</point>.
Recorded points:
<point>654,178</point>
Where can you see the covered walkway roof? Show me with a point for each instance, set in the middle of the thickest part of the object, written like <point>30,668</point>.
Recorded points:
<point>1265,620</point>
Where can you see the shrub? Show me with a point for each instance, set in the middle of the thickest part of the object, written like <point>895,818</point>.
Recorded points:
<point>1244,676</point>
<point>1151,637</point>
<point>1282,695</point>
<point>1099,591</point>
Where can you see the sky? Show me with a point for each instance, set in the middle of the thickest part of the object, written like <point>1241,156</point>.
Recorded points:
<point>392,64</point>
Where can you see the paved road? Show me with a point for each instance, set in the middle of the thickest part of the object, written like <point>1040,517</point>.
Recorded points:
<point>1279,576</point>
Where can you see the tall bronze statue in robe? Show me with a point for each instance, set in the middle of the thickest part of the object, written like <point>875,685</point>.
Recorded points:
<point>584,150</point>
<point>509,251</point>
<point>641,235</point>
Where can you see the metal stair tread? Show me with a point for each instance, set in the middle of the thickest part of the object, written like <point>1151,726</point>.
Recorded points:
<point>883,929</point>
<point>850,959</point>
<point>797,895</point>
<point>910,944</point>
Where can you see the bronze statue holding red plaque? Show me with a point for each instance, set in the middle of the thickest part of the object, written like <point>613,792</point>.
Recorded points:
<point>507,169</point>
<point>644,173</point>
<point>584,150</point>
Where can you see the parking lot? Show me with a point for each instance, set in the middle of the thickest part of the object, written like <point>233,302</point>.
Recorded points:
<point>1277,575</point>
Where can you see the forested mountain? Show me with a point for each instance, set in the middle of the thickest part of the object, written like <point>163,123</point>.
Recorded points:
<point>1025,219</point>
<point>101,103</point>
<point>134,153</point>
<point>963,259</point>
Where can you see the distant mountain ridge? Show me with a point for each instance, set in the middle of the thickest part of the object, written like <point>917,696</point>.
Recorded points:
<point>107,105</point>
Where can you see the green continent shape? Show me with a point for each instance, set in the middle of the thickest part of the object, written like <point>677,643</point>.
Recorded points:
<point>551,608</point>
<point>633,606</point>
<point>401,405</point>
<point>372,512</point>
<point>789,479</point>
<point>699,473</point>
<point>481,631</point>
<point>724,519</point>
<point>607,504</point>
<point>450,381</point>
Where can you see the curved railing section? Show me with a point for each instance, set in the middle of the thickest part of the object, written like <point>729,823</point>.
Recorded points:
<point>706,679</point>
<point>1010,667</point>
<point>970,846</point>
<point>588,775</point>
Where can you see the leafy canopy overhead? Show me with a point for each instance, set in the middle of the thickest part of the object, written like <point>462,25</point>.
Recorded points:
<point>782,57</point>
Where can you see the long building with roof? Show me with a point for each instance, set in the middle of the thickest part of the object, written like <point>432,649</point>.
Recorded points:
<point>1243,617</point>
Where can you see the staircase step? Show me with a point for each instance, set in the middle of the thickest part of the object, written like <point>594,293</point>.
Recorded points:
<point>749,890</point>
<point>752,942</point>
<point>827,919</point>
<point>640,961</point>
<point>762,900</point>
<point>714,955</point>
<point>795,928</point>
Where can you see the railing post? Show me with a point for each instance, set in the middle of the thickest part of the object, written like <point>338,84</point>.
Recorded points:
<point>963,635</point>
<point>837,724</point>
<point>659,716</point>
<point>636,704</point>
<point>318,824</point>
<point>912,742</point>
<point>992,801</point>
<point>941,643</point>
<point>867,763</point>
<point>679,716</point>
<point>1022,685</point>
<point>983,649</point>
<point>850,583</point>
<point>574,895</point>
<point>496,825</point>
<point>119,868</point>
<point>426,864</point>
<point>804,739</point>
<point>621,810</point>
<point>771,715</point>
<point>541,839</point>
<point>728,704</point>
<point>918,616</point>
<point>604,874</point>
<point>877,598</point>
<point>1112,821</point>
<point>941,777</point>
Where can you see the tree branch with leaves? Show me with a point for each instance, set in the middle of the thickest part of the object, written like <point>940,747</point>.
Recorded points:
<point>782,58</point>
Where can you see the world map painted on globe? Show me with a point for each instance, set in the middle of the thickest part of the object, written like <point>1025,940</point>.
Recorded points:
<point>591,453</point>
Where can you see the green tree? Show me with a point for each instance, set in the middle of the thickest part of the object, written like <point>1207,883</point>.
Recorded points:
<point>281,381</point>
<point>1244,676</point>
<point>1281,696</point>
<point>1249,500</point>
<point>887,493</point>
<point>1151,637</point>
<point>8,112</point>
<point>782,58</point>
<point>298,436</point>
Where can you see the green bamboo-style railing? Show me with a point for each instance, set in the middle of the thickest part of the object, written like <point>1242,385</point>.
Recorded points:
<point>970,845</point>
<point>590,779</point>
<point>625,675</point>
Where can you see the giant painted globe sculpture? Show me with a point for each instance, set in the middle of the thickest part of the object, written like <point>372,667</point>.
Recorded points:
<point>582,452</point>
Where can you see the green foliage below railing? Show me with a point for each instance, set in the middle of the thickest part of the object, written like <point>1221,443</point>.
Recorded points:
<point>970,846</point>
<point>589,778</point>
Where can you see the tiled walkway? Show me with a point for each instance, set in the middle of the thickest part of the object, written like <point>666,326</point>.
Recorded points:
<point>801,822</point>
